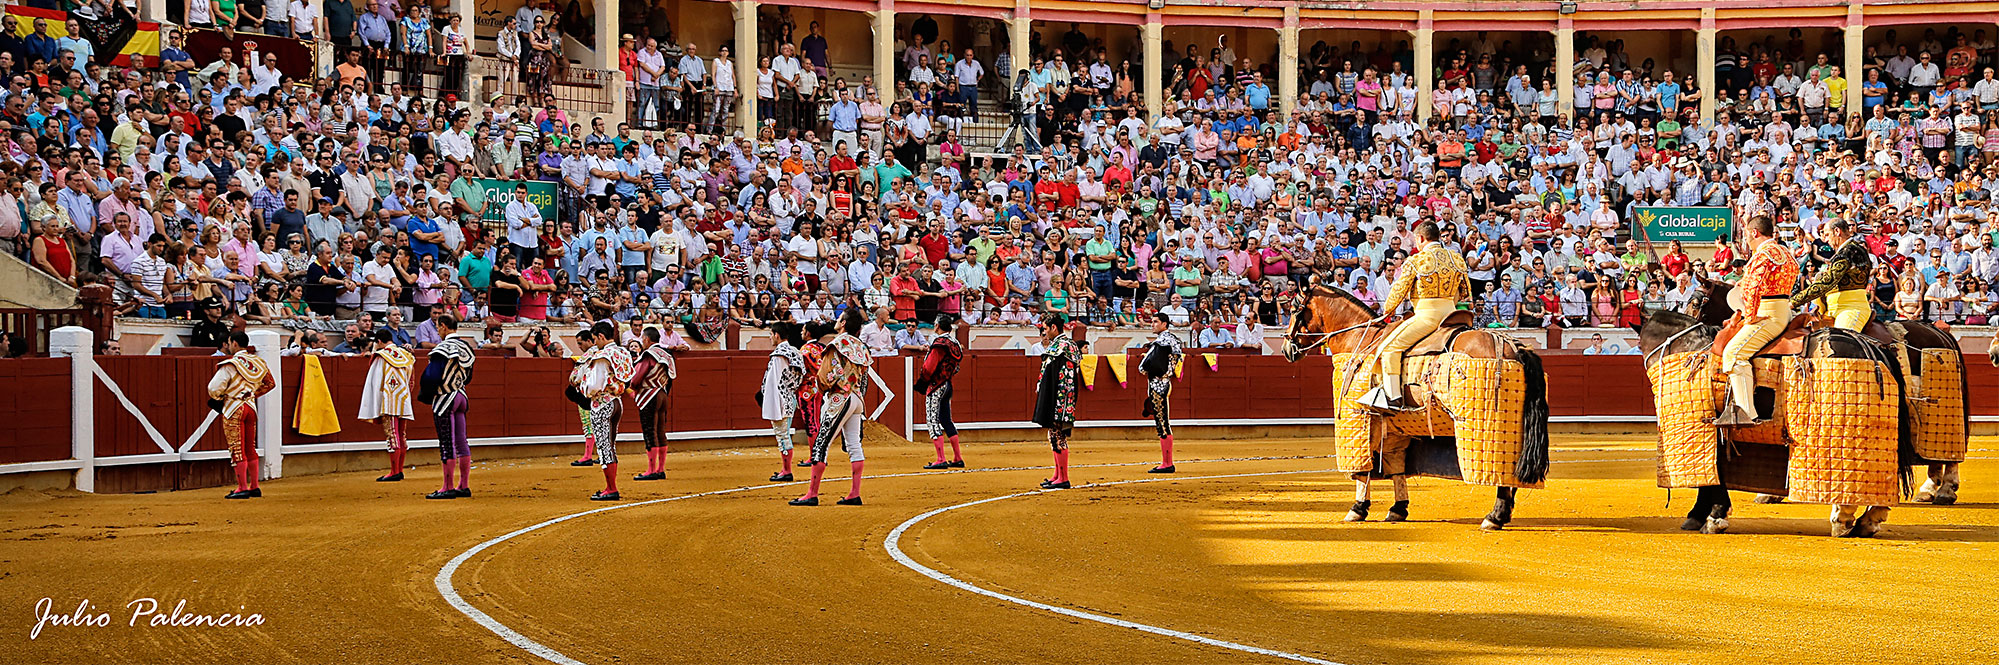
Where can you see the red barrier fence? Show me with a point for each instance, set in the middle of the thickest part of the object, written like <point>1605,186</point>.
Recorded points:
<point>34,395</point>
<point>520,400</point>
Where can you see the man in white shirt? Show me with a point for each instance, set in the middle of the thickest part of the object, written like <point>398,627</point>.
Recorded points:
<point>1924,75</point>
<point>523,225</point>
<point>455,145</point>
<point>377,278</point>
<point>968,72</point>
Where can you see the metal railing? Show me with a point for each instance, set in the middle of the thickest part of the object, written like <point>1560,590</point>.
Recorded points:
<point>575,89</point>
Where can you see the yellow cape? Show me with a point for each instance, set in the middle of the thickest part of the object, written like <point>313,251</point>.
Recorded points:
<point>314,415</point>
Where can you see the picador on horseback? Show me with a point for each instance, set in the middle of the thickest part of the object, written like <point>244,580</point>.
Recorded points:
<point>1434,280</point>
<point>1810,413</point>
<point>1452,401</point>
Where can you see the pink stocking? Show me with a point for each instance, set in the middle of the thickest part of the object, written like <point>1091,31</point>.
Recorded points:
<point>939,445</point>
<point>786,469</point>
<point>857,480</point>
<point>956,456</point>
<point>818,472</point>
<point>464,471</point>
<point>1166,450</point>
<point>611,478</point>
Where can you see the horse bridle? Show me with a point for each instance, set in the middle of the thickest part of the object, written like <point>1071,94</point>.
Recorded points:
<point>1292,336</point>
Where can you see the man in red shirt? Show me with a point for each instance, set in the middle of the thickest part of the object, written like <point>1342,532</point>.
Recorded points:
<point>1066,192</point>
<point>936,246</point>
<point>903,290</point>
<point>1047,191</point>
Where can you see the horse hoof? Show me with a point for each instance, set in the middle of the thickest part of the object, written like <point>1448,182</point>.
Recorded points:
<point>1944,499</point>
<point>1769,498</point>
<point>1692,524</point>
<point>1398,512</point>
<point>1490,525</point>
<point>1842,529</point>
<point>1715,525</point>
<point>1924,496</point>
<point>1355,516</point>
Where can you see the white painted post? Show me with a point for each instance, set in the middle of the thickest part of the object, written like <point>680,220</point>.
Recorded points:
<point>909,398</point>
<point>271,407</point>
<point>78,344</point>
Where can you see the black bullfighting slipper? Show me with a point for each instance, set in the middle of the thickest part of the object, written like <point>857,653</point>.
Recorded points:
<point>933,466</point>
<point>656,475</point>
<point>462,493</point>
<point>391,478</point>
<point>957,464</point>
<point>442,494</point>
<point>1160,469</point>
<point>808,501</point>
<point>1054,486</point>
<point>849,501</point>
<point>584,462</point>
<point>780,477</point>
<point>600,496</point>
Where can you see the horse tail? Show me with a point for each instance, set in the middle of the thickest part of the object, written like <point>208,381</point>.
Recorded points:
<point>1533,464</point>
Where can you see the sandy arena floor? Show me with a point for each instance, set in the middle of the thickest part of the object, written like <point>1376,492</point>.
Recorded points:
<point>1594,570</point>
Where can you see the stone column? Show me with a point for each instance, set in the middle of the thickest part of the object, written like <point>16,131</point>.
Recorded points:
<point>746,67</point>
<point>884,27</point>
<point>1287,63</point>
<point>605,59</point>
<point>1855,46</point>
<point>1565,65</point>
<point>1151,43</point>
<point>472,97</point>
<point>1426,74</point>
<point>1706,43</point>
<point>1018,30</point>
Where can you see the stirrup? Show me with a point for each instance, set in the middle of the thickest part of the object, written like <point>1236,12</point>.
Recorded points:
<point>1735,416</point>
<point>1378,401</point>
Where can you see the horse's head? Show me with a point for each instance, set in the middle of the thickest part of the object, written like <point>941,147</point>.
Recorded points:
<point>1325,313</point>
<point>1710,301</point>
<point>1672,330</point>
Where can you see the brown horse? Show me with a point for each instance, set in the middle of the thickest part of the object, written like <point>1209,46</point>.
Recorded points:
<point>1664,333</point>
<point>1337,322</point>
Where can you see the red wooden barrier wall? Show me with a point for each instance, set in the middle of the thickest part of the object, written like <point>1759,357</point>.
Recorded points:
<point>34,395</point>
<point>518,397</point>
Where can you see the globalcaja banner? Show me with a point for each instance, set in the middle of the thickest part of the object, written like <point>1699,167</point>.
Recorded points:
<point>499,193</point>
<point>1688,224</point>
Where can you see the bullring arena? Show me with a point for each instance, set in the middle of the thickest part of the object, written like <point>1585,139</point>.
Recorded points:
<point>1154,467</point>
<point>1241,557</point>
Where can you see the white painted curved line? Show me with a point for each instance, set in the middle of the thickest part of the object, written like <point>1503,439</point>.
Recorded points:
<point>450,593</point>
<point>894,546</point>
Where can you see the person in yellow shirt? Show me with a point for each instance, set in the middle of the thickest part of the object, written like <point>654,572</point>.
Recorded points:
<point>1434,280</point>
<point>126,137</point>
<point>1835,87</point>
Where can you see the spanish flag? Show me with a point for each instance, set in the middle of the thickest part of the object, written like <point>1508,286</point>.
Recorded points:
<point>127,42</point>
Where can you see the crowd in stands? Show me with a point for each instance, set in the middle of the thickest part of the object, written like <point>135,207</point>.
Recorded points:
<point>213,186</point>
